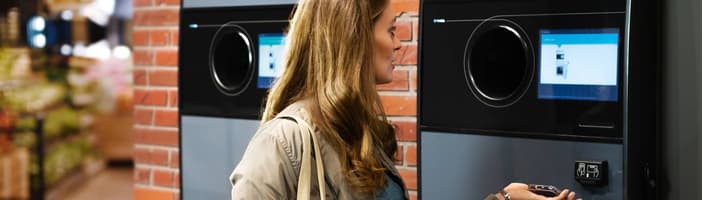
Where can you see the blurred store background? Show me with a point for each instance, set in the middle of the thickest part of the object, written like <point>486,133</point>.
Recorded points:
<point>66,99</point>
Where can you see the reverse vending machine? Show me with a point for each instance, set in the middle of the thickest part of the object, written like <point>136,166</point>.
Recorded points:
<point>562,93</point>
<point>230,52</point>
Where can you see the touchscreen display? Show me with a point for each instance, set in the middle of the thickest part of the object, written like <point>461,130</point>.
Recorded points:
<point>579,64</point>
<point>270,58</point>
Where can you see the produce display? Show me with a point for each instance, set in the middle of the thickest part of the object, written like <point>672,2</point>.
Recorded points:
<point>60,122</point>
<point>14,64</point>
<point>34,98</point>
<point>42,99</point>
<point>26,124</point>
<point>25,140</point>
<point>63,159</point>
<point>7,62</point>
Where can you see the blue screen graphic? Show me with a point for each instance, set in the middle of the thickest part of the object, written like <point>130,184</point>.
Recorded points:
<point>271,51</point>
<point>579,64</point>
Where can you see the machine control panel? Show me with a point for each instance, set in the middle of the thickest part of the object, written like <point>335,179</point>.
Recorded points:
<point>591,173</point>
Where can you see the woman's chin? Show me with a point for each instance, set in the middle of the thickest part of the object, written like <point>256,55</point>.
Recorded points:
<point>383,81</point>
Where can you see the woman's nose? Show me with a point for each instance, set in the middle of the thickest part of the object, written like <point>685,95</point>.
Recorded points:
<point>396,44</point>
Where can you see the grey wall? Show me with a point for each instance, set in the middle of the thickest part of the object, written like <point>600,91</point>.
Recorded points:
<point>229,3</point>
<point>682,46</point>
<point>211,148</point>
<point>462,166</point>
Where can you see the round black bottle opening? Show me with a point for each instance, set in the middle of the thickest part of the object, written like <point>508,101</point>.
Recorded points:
<point>499,64</point>
<point>231,59</point>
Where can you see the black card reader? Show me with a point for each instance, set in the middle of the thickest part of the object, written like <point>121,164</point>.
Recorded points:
<point>591,173</point>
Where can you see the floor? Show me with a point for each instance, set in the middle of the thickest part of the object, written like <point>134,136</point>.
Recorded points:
<point>110,183</point>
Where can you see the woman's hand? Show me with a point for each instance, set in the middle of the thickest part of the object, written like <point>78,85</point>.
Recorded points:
<point>520,191</point>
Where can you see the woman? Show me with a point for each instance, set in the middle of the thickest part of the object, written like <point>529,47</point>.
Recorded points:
<point>337,51</point>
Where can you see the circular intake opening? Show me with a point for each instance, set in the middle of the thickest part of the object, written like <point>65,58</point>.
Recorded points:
<point>231,59</point>
<point>498,63</point>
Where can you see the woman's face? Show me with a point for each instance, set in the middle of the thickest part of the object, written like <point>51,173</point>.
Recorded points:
<point>385,46</point>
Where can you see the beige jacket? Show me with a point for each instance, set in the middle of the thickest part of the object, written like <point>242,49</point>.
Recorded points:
<point>270,166</point>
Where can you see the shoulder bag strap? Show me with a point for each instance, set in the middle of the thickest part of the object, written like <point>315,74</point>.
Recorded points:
<point>303,181</point>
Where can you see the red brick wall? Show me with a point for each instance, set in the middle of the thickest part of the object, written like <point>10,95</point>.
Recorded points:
<point>155,39</point>
<point>156,104</point>
<point>400,96</point>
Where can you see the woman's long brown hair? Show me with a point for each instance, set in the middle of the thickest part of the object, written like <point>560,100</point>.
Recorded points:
<point>329,61</point>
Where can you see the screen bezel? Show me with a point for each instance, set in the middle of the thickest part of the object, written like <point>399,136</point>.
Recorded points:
<point>586,118</point>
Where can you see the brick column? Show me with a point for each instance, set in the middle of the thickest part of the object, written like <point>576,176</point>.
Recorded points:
<point>400,96</point>
<point>156,104</point>
<point>156,99</point>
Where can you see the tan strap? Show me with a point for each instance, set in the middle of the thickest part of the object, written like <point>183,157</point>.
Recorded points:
<point>303,182</point>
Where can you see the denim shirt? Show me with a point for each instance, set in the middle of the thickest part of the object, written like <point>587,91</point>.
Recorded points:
<point>392,191</point>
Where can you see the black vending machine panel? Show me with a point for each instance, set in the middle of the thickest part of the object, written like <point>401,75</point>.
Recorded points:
<point>230,54</point>
<point>561,65</point>
<point>230,57</point>
<point>512,85</point>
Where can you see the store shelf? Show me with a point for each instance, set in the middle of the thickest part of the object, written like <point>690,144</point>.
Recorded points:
<point>74,178</point>
<point>60,160</point>
<point>58,140</point>
<point>36,81</point>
